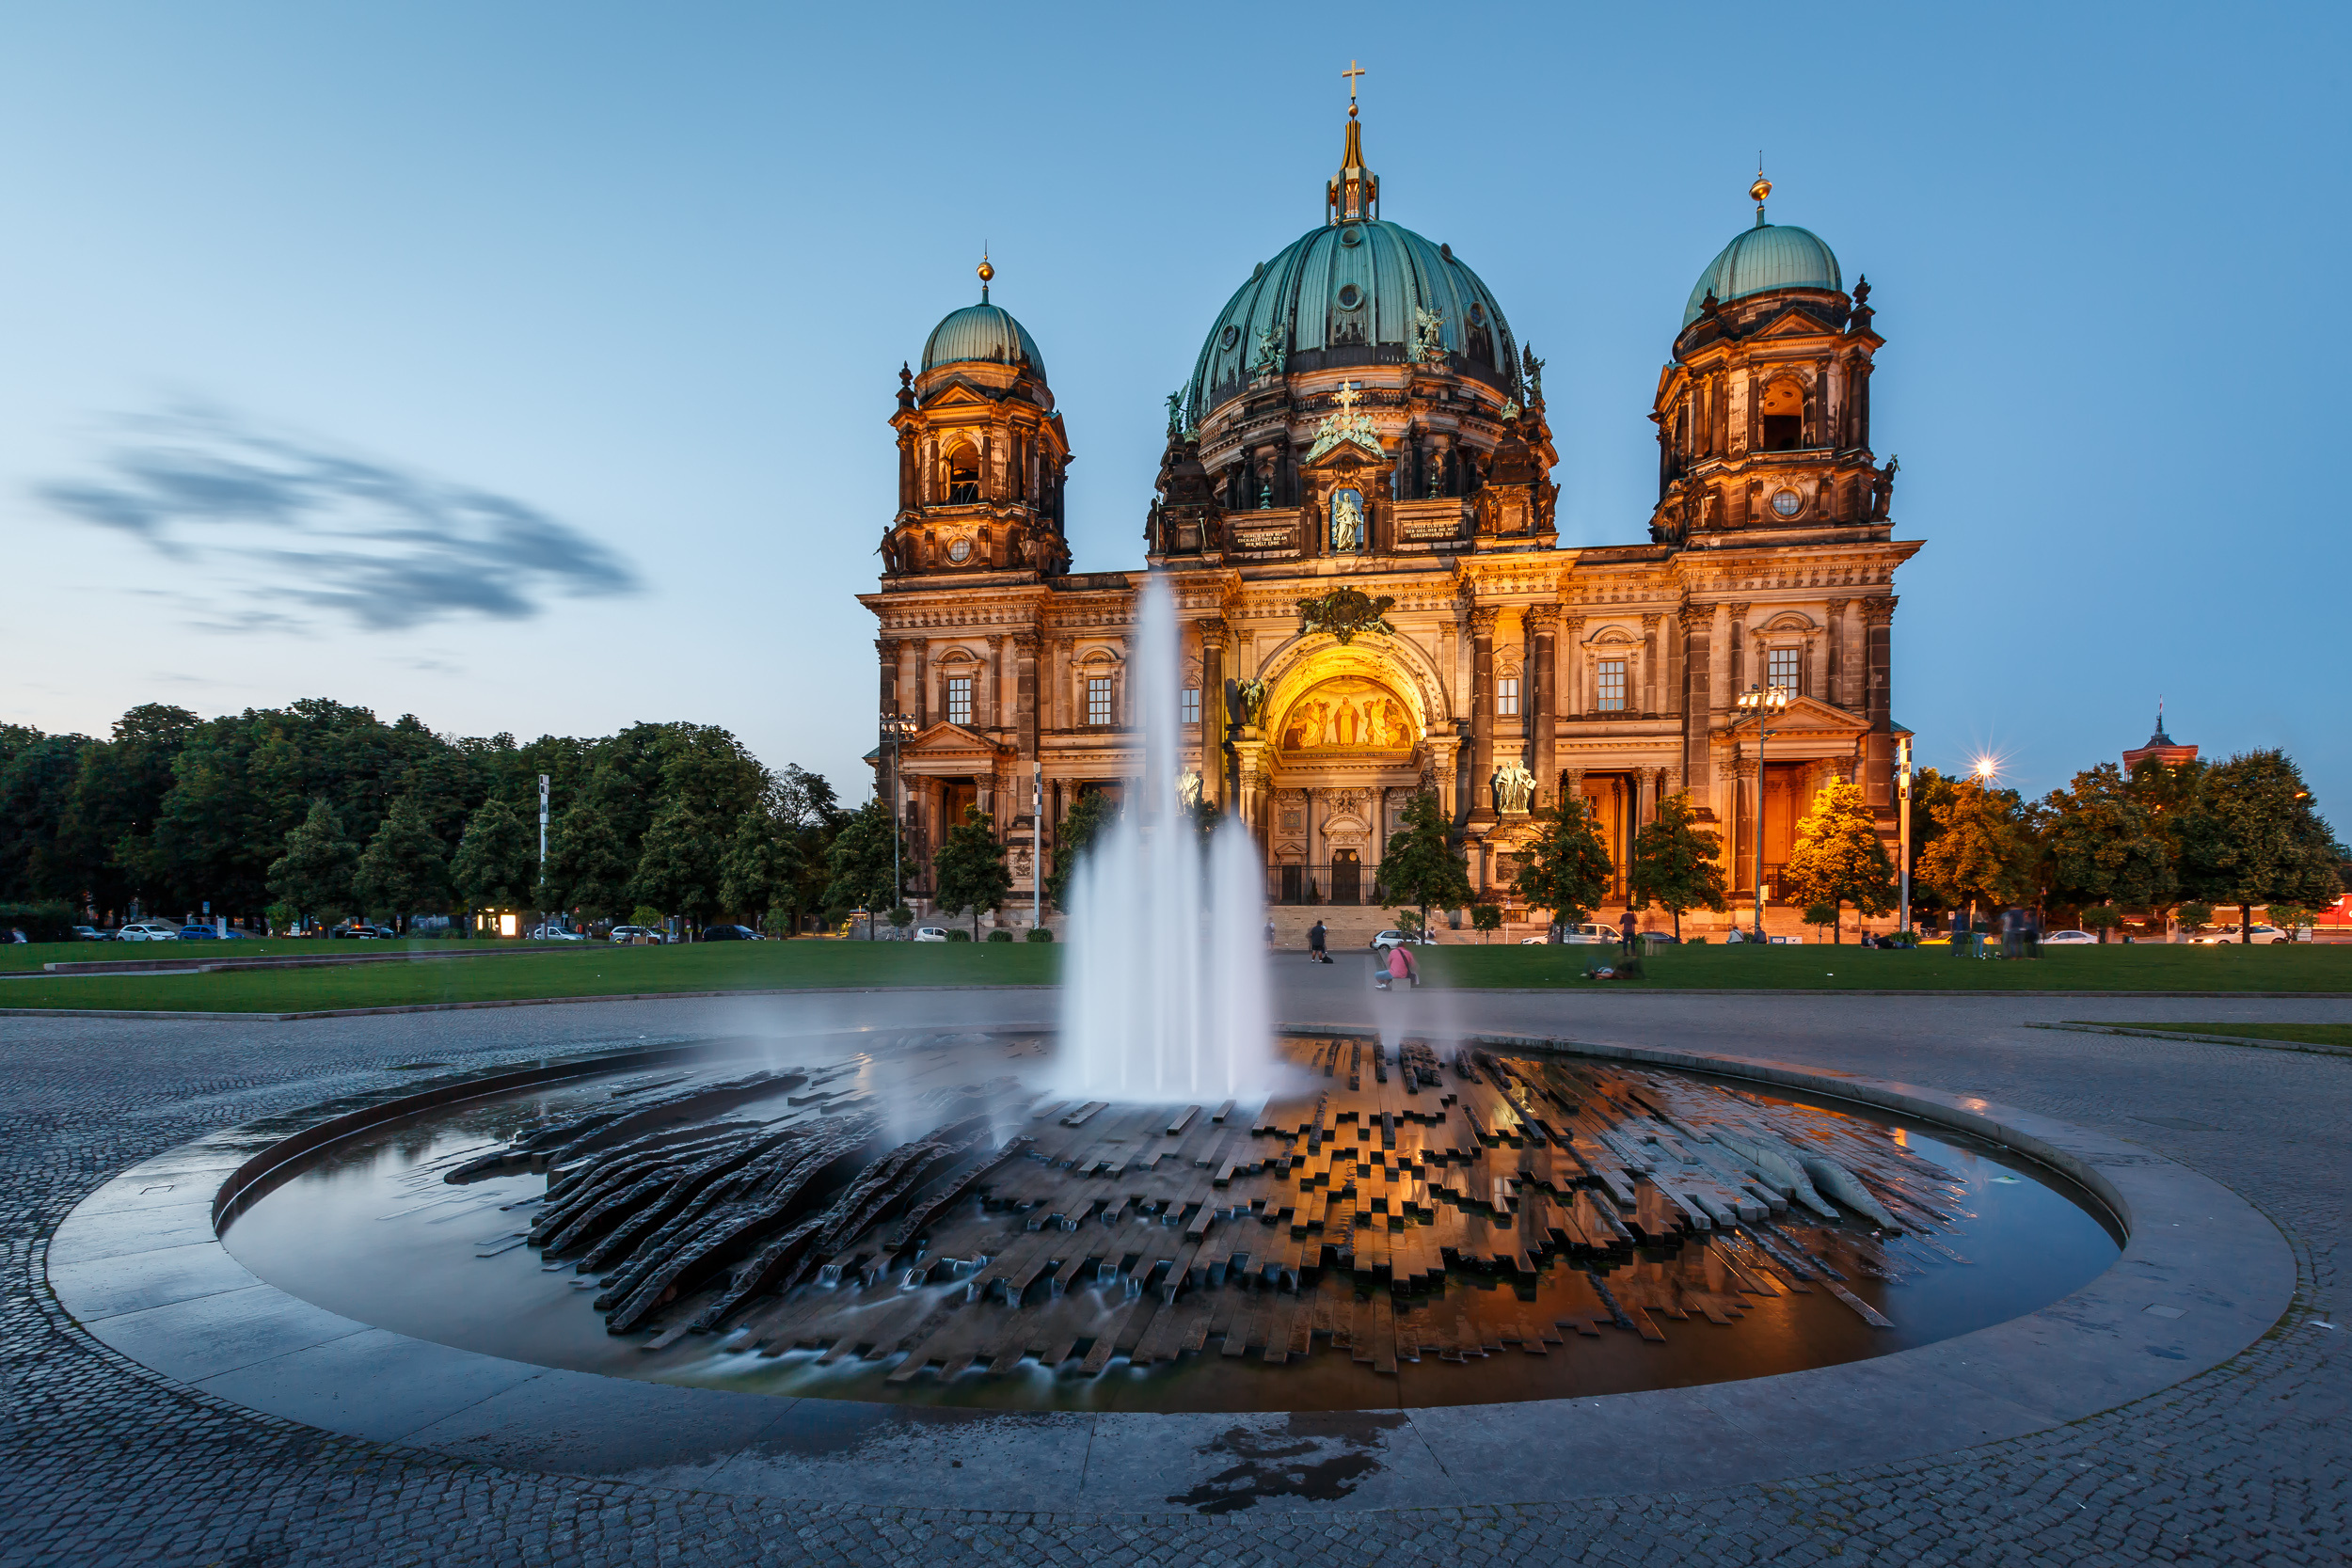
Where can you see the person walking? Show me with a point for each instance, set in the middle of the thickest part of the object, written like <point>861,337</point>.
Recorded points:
<point>1629,932</point>
<point>1315,950</point>
<point>1269,931</point>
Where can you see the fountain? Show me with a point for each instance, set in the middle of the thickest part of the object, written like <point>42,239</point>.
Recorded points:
<point>1165,996</point>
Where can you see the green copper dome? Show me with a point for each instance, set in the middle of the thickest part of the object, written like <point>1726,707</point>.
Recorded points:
<point>984,333</point>
<point>1770,256</point>
<point>1348,293</point>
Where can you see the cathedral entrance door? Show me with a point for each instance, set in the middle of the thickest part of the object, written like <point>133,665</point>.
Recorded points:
<point>1347,877</point>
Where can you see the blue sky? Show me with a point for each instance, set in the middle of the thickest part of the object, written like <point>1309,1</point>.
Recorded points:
<point>528,366</point>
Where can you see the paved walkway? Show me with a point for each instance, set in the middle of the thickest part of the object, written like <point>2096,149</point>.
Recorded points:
<point>2251,1461</point>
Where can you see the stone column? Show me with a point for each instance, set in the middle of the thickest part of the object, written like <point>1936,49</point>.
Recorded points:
<point>1212,712</point>
<point>1544,628</point>
<point>1482,709</point>
<point>1878,764</point>
<point>886,652</point>
<point>996,672</point>
<point>1569,656</point>
<point>1649,667</point>
<point>1025,694</point>
<point>1697,707</point>
<point>1834,655</point>
<point>1744,670</point>
<point>922,682</point>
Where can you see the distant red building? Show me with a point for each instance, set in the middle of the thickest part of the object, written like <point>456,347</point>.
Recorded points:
<point>2160,748</point>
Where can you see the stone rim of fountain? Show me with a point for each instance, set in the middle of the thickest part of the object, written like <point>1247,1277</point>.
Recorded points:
<point>2202,1275</point>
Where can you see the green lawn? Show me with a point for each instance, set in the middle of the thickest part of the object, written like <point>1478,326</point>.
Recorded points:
<point>2301,1034</point>
<point>577,970</point>
<point>32,954</point>
<point>2115,967</point>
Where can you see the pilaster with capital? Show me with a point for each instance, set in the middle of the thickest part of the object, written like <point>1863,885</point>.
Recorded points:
<point>1483,707</point>
<point>1542,703</point>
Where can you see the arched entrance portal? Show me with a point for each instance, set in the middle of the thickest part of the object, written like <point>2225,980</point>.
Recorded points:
<point>1345,744</point>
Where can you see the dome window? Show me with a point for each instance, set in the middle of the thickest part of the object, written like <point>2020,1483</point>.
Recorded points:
<point>1784,416</point>
<point>1351,236</point>
<point>1227,337</point>
<point>1350,296</point>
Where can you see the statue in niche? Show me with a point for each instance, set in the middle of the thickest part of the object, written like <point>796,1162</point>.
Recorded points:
<point>1347,520</point>
<point>1188,788</point>
<point>1247,700</point>
<point>1515,789</point>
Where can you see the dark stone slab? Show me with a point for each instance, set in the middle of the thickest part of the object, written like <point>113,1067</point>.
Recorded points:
<point>375,1384</point>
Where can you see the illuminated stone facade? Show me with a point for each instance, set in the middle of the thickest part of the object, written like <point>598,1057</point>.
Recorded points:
<point>1362,419</point>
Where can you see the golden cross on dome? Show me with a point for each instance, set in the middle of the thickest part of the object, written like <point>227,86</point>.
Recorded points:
<point>1352,71</point>
<point>1346,397</point>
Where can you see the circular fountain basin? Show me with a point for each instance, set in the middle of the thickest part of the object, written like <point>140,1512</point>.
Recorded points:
<point>1411,1225</point>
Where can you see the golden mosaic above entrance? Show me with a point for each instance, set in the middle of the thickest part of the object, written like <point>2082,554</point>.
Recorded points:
<point>1347,713</point>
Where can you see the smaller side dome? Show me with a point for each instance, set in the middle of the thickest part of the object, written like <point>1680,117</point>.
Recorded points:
<point>1763,258</point>
<point>986,333</point>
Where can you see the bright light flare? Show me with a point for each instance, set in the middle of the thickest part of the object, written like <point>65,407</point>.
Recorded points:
<point>1987,767</point>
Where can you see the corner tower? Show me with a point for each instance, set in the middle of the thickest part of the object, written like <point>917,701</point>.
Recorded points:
<point>982,454</point>
<point>1763,412</point>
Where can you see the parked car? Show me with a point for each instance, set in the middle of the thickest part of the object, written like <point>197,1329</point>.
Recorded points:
<point>1387,940</point>
<point>2067,939</point>
<point>930,933</point>
<point>555,933</point>
<point>1591,931</point>
<point>637,933</point>
<point>2229,933</point>
<point>197,933</point>
<point>729,933</point>
<point>149,930</point>
<point>91,933</point>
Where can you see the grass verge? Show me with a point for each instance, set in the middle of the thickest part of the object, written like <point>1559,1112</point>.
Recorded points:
<point>578,970</point>
<point>2140,967</point>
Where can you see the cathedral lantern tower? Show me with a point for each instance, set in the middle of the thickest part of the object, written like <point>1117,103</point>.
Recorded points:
<point>982,454</point>
<point>1763,413</point>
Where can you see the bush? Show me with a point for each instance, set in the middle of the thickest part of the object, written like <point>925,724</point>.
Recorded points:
<point>1000,936</point>
<point>46,922</point>
<point>1694,942</point>
<point>1038,933</point>
<point>956,935</point>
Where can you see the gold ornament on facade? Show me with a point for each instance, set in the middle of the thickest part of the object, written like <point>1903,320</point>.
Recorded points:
<point>1345,611</point>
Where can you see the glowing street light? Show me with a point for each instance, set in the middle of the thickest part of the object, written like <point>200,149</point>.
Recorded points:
<point>1760,702</point>
<point>1986,767</point>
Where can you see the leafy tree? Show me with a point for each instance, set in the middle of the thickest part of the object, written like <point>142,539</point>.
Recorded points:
<point>2101,918</point>
<point>38,775</point>
<point>1674,862</point>
<point>403,868</point>
<point>2194,917</point>
<point>1566,869</point>
<point>969,870</point>
<point>2253,836</point>
<point>1420,865</point>
<point>1087,818</point>
<point>1821,915</point>
<point>2103,845</point>
<point>1931,791</point>
<point>116,798</point>
<point>493,864</point>
<point>314,873</point>
<point>761,867</point>
<point>859,863</point>
<point>1982,852</point>
<point>1839,859</point>
<point>588,866</point>
<point>1485,919</point>
<point>678,868</point>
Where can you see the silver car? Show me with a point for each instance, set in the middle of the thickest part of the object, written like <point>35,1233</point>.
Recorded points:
<point>149,930</point>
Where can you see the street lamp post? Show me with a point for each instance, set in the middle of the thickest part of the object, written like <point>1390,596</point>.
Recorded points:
<point>1902,807</point>
<point>1037,844</point>
<point>1760,702</point>
<point>896,727</point>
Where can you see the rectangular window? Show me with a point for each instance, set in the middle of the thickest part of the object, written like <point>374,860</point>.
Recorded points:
<point>1612,683</point>
<point>1188,705</point>
<point>1507,696</point>
<point>959,699</point>
<point>1780,668</point>
<point>1097,700</point>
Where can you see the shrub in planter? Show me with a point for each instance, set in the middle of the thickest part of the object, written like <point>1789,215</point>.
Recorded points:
<point>1000,936</point>
<point>1038,933</point>
<point>954,935</point>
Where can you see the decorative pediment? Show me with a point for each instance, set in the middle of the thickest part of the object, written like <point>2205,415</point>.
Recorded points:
<point>1345,425</point>
<point>945,738</point>
<point>1795,322</point>
<point>1809,715</point>
<point>1791,620</point>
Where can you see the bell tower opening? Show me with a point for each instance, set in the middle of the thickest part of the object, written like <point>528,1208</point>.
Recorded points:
<point>1784,416</point>
<point>964,477</point>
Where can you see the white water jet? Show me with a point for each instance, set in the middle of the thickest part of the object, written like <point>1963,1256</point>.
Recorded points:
<point>1164,992</point>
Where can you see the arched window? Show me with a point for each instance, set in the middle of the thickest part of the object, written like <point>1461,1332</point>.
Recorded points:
<point>964,477</point>
<point>1784,416</point>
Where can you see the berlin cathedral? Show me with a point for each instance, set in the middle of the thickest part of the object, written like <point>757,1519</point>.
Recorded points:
<point>1355,518</point>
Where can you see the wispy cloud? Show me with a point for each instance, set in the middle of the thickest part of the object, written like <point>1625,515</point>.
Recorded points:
<point>285,526</point>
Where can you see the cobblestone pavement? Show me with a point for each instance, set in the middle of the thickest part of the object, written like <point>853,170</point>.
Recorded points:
<point>2248,1463</point>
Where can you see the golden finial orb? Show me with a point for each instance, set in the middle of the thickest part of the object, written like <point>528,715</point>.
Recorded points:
<point>1761,189</point>
<point>986,273</point>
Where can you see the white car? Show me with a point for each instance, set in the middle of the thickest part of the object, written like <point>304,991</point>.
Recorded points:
<point>1387,940</point>
<point>555,933</point>
<point>2210,939</point>
<point>930,933</point>
<point>2067,939</point>
<point>632,933</point>
<point>149,930</point>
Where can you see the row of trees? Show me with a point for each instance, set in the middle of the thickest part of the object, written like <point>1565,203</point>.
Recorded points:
<point>325,809</point>
<point>2165,839</point>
